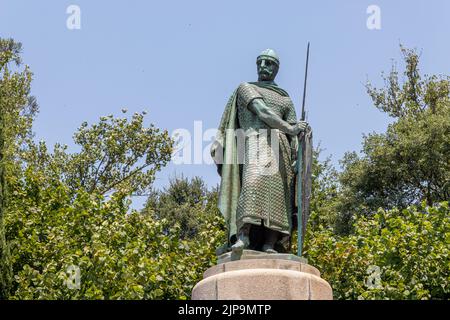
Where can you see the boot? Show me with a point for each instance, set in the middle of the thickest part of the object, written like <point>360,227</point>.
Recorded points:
<point>271,238</point>
<point>242,243</point>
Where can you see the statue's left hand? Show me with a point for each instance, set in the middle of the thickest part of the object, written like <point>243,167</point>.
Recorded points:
<point>294,147</point>
<point>294,167</point>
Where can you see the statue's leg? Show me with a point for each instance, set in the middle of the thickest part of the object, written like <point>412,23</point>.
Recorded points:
<point>271,237</point>
<point>243,241</point>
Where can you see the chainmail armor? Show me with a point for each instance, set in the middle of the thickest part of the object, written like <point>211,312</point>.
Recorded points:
<point>267,193</point>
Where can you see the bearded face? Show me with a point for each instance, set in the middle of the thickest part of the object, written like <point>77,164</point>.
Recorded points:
<point>267,69</point>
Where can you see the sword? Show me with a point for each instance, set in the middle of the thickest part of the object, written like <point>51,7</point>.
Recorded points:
<point>304,84</point>
<point>300,169</point>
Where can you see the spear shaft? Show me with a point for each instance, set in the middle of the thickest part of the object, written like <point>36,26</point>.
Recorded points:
<point>300,169</point>
<point>304,84</point>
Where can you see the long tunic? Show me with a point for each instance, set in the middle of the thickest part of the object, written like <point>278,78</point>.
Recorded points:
<point>267,180</point>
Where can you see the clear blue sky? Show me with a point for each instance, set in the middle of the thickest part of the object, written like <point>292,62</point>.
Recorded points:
<point>180,60</point>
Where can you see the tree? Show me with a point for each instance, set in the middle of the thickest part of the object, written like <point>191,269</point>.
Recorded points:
<point>409,163</point>
<point>380,228</point>
<point>118,255</point>
<point>324,190</point>
<point>393,254</point>
<point>73,210</point>
<point>17,109</point>
<point>187,203</point>
<point>117,155</point>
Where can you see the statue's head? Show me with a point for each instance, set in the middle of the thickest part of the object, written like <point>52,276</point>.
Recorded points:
<point>268,64</point>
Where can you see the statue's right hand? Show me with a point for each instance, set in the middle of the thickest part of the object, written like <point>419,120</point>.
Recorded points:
<point>214,147</point>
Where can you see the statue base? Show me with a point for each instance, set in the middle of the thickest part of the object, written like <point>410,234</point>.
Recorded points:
<point>262,276</point>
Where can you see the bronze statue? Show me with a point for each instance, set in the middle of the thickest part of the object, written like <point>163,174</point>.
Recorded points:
<point>255,152</point>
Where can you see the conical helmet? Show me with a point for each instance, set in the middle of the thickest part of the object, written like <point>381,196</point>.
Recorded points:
<point>269,54</point>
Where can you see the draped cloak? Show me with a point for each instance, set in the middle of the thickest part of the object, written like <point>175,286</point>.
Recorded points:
<point>226,155</point>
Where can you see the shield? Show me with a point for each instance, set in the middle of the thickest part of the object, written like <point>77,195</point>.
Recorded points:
<point>303,184</point>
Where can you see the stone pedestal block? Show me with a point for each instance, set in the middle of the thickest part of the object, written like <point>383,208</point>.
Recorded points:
<point>260,276</point>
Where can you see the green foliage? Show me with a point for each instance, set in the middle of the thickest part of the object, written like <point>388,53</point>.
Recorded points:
<point>415,95</point>
<point>411,247</point>
<point>71,210</point>
<point>116,155</point>
<point>120,256</point>
<point>178,202</point>
<point>324,191</point>
<point>54,224</point>
<point>355,226</point>
<point>17,109</point>
<point>409,163</point>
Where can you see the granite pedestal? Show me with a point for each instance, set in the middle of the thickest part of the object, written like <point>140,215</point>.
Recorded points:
<point>260,276</point>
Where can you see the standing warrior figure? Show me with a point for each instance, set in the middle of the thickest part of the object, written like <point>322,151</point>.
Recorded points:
<point>255,153</point>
